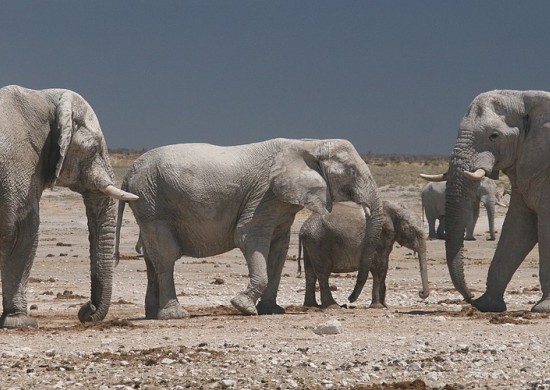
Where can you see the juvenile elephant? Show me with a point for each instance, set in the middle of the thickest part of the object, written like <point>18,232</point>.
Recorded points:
<point>52,137</point>
<point>506,131</point>
<point>433,205</point>
<point>202,200</point>
<point>334,243</point>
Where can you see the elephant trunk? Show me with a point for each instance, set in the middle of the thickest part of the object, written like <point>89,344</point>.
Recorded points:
<point>459,194</point>
<point>100,210</point>
<point>490,207</point>
<point>423,263</point>
<point>369,198</point>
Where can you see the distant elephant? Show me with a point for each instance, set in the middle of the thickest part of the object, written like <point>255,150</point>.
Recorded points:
<point>506,131</point>
<point>433,205</point>
<point>52,137</point>
<point>202,200</point>
<point>334,243</point>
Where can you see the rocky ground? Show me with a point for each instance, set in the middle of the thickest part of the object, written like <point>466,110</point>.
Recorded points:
<point>439,343</point>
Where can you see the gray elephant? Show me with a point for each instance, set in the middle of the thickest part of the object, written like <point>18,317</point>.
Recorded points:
<point>506,131</point>
<point>433,205</point>
<point>52,137</point>
<point>334,243</point>
<point>202,200</point>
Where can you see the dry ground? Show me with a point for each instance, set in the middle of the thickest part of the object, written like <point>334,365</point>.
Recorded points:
<point>437,343</point>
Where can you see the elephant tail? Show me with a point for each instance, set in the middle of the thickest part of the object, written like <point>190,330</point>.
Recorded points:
<point>121,205</point>
<point>300,243</point>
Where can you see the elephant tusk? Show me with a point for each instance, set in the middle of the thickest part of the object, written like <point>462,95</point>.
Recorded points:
<point>439,177</point>
<point>501,204</point>
<point>475,176</point>
<point>117,193</point>
<point>366,209</point>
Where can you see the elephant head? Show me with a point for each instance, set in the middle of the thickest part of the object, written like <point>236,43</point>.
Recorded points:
<point>83,165</point>
<point>325,171</point>
<point>55,138</point>
<point>501,131</point>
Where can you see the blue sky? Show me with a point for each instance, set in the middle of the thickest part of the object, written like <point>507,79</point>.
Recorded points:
<point>390,76</point>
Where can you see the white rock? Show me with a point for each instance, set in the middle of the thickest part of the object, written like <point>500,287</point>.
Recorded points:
<point>226,383</point>
<point>329,327</point>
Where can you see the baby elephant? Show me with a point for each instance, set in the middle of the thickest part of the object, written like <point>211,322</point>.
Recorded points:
<point>335,243</point>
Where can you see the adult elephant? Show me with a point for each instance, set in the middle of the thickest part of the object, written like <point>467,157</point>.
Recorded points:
<point>334,243</point>
<point>433,206</point>
<point>52,137</point>
<point>506,131</point>
<point>203,200</point>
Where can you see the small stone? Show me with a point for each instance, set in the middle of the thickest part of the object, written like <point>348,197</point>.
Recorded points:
<point>167,361</point>
<point>292,384</point>
<point>227,383</point>
<point>415,366</point>
<point>329,327</point>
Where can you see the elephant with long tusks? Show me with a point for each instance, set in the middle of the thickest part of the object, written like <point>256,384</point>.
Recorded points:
<point>52,137</point>
<point>502,131</point>
<point>202,200</point>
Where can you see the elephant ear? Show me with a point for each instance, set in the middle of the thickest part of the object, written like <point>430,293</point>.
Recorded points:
<point>533,158</point>
<point>296,178</point>
<point>65,127</point>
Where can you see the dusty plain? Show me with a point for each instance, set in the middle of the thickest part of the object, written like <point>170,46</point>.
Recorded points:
<point>438,343</point>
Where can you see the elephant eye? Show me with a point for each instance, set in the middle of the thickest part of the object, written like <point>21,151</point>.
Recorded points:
<point>493,136</point>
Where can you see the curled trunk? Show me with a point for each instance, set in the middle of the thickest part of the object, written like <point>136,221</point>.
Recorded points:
<point>100,210</point>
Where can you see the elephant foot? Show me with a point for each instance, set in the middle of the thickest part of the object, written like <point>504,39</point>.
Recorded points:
<point>543,306</point>
<point>487,304</point>
<point>269,308</point>
<point>172,311</point>
<point>378,305</point>
<point>309,303</point>
<point>470,239</point>
<point>491,238</point>
<point>18,320</point>
<point>244,304</point>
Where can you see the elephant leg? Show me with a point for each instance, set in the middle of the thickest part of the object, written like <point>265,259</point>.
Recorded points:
<point>255,251</point>
<point>431,227</point>
<point>379,270</point>
<point>518,237</point>
<point>543,306</point>
<point>472,223</point>
<point>161,252</point>
<point>152,294</point>
<point>15,268</point>
<point>311,280</point>
<point>275,264</point>
<point>441,228</point>
<point>327,299</point>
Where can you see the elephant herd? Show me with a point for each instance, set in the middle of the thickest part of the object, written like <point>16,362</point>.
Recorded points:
<point>202,200</point>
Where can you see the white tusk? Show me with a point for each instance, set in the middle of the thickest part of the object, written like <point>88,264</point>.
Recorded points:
<point>501,204</point>
<point>439,177</point>
<point>366,209</point>
<point>117,193</point>
<point>475,176</point>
